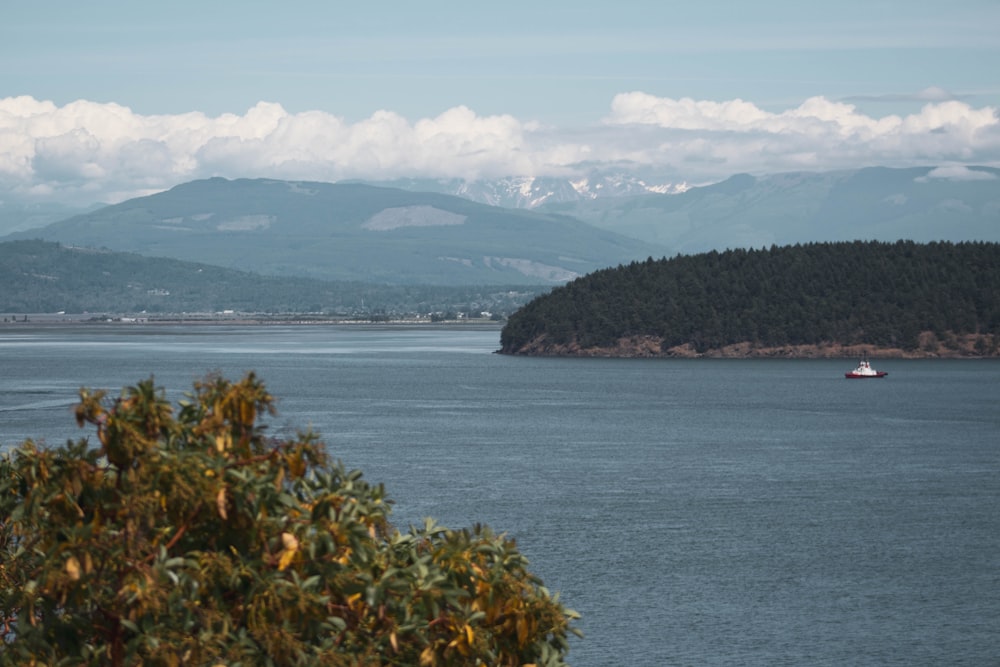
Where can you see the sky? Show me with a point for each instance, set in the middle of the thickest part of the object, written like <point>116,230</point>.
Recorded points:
<point>106,100</point>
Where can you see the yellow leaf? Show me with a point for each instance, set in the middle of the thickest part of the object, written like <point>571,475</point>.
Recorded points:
<point>291,544</point>
<point>296,464</point>
<point>247,412</point>
<point>469,635</point>
<point>286,559</point>
<point>73,568</point>
<point>220,503</point>
<point>289,541</point>
<point>428,658</point>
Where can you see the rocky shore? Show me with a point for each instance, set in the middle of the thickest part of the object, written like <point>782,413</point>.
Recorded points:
<point>930,347</point>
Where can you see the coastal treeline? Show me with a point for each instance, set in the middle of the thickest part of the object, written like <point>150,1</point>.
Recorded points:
<point>869,293</point>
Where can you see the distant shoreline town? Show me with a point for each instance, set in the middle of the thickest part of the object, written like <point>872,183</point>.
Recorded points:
<point>227,317</point>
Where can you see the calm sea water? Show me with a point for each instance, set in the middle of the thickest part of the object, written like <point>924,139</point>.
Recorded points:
<point>696,512</point>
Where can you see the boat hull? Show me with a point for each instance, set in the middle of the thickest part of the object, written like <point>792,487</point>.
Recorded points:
<point>865,376</point>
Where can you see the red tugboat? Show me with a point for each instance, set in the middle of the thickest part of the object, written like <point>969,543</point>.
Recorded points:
<point>864,371</point>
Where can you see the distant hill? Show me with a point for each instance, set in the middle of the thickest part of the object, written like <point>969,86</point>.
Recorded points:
<point>46,277</point>
<point>349,232</point>
<point>822,299</point>
<point>20,215</point>
<point>879,204</point>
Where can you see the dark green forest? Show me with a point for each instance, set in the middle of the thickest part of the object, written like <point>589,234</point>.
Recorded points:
<point>46,277</point>
<point>868,293</point>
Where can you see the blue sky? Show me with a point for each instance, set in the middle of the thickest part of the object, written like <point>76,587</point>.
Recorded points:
<point>690,91</point>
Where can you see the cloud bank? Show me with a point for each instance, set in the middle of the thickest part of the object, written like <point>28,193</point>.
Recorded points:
<point>86,152</point>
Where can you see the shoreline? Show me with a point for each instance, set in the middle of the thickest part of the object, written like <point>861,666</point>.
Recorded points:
<point>242,319</point>
<point>952,346</point>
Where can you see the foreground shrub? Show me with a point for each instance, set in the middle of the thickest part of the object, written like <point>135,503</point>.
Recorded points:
<point>186,537</point>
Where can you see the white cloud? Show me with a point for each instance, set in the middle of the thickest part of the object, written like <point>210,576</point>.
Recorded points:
<point>87,151</point>
<point>818,134</point>
<point>959,173</point>
<point>934,94</point>
<point>816,117</point>
<point>929,94</point>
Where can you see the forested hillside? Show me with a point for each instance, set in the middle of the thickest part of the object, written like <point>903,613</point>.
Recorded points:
<point>901,295</point>
<point>45,277</point>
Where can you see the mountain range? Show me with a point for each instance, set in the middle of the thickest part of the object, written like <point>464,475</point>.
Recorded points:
<point>349,231</point>
<point>520,231</point>
<point>744,211</point>
<point>873,204</point>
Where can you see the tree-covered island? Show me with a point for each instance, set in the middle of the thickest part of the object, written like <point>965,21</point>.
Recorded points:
<point>901,299</point>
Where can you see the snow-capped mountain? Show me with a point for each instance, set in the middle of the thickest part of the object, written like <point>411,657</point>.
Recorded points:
<point>531,192</point>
